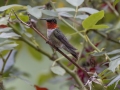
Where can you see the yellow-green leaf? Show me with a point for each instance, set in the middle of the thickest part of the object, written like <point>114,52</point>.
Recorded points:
<point>89,22</point>
<point>99,27</point>
<point>115,2</point>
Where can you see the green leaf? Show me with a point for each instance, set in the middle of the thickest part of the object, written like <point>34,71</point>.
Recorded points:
<point>115,57</point>
<point>114,52</point>
<point>75,3</point>
<point>99,27</point>
<point>8,47</point>
<point>115,2</point>
<point>58,70</point>
<point>88,10</point>
<point>65,9</point>
<point>82,16</point>
<point>35,11</point>
<point>4,20</point>
<point>114,64</point>
<point>5,29</point>
<point>28,35</point>
<point>3,8</point>
<point>115,80</point>
<point>65,14</point>
<point>6,42</point>
<point>9,35</point>
<point>98,53</point>
<point>92,20</point>
<point>50,13</point>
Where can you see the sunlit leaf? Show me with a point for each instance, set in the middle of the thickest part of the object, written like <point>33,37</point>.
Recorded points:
<point>65,9</point>
<point>6,42</point>
<point>92,19</point>
<point>4,20</point>
<point>98,53</point>
<point>58,70</point>
<point>114,52</point>
<point>65,14</point>
<point>88,10</point>
<point>3,8</point>
<point>115,57</point>
<point>99,26</point>
<point>75,2</point>
<point>9,35</point>
<point>8,47</point>
<point>28,34</point>
<point>114,64</point>
<point>115,80</point>
<point>82,16</point>
<point>50,13</point>
<point>40,88</point>
<point>116,2</point>
<point>5,29</point>
<point>35,11</point>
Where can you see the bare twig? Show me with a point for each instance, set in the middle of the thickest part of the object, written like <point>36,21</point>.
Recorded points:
<point>47,41</point>
<point>4,62</point>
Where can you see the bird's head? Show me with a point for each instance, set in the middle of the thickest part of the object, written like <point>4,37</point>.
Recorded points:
<point>51,23</point>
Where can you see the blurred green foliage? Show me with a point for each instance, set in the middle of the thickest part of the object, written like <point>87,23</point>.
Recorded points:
<point>37,65</point>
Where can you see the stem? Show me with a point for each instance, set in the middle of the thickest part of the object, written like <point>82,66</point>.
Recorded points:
<point>74,75</point>
<point>29,43</point>
<point>92,44</point>
<point>113,9</point>
<point>67,22</point>
<point>47,41</point>
<point>46,54</point>
<point>72,27</point>
<point>75,15</point>
<point>107,57</point>
<point>5,61</point>
<point>38,32</point>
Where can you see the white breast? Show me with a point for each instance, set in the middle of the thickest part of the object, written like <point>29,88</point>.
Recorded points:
<point>49,32</point>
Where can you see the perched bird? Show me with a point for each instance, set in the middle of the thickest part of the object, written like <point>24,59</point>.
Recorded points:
<point>57,38</point>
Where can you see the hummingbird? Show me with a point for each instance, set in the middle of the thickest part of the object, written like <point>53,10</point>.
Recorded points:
<point>57,38</point>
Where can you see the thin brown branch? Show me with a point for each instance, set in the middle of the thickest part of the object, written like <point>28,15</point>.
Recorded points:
<point>9,55</point>
<point>38,32</point>
<point>29,43</point>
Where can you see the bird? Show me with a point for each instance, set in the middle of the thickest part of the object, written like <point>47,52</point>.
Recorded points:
<point>57,38</point>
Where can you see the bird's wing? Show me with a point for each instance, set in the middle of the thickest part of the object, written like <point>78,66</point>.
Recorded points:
<point>61,37</point>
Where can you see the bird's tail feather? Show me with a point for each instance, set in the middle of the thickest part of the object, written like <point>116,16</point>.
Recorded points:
<point>74,54</point>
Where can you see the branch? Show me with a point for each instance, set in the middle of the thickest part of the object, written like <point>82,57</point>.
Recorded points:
<point>47,41</point>
<point>43,52</point>
<point>5,61</point>
<point>106,37</point>
<point>29,43</point>
<point>112,8</point>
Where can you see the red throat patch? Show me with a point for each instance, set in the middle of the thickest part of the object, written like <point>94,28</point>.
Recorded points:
<point>51,25</point>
